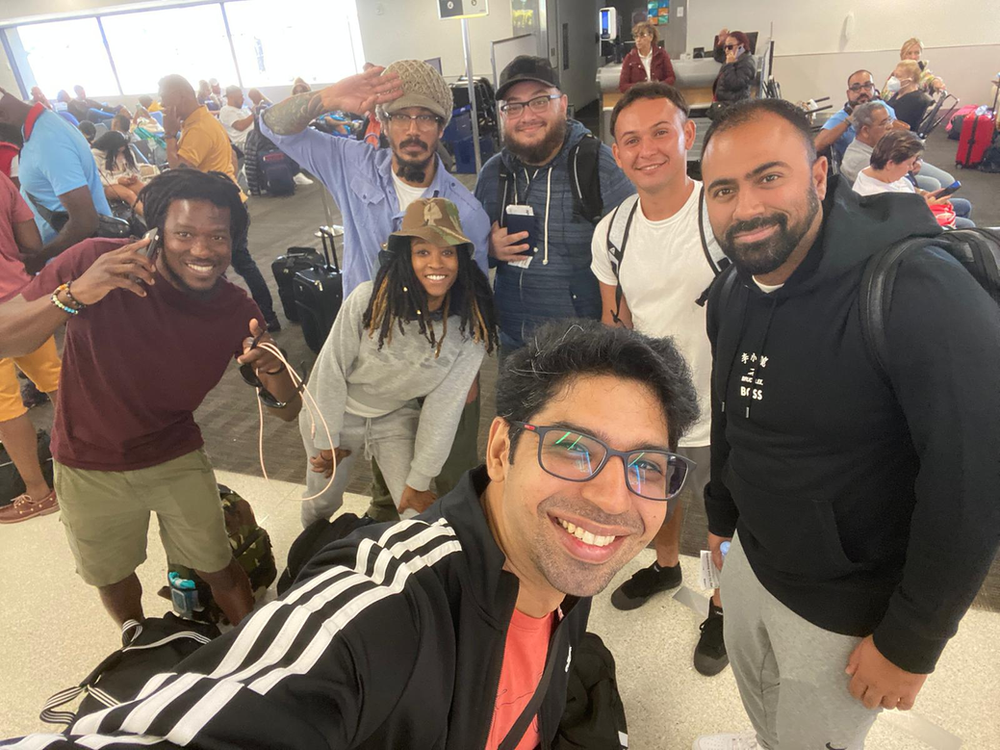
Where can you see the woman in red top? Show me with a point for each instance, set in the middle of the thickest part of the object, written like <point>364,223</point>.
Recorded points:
<point>648,61</point>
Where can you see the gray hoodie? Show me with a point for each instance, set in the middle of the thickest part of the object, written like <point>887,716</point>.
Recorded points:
<point>352,376</point>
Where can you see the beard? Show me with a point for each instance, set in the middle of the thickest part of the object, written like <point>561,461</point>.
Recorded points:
<point>413,169</point>
<point>538,153</point>
<point>768,255</point>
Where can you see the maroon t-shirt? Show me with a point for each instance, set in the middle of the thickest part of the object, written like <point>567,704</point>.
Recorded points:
<point>135,368</point>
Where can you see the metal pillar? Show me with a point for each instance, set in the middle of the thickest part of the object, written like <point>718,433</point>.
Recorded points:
<point>472,94</point>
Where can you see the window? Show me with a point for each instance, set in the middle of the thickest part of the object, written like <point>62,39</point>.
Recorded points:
<point>149,45</point>
<point>61,54</point>
<point>274,45</point>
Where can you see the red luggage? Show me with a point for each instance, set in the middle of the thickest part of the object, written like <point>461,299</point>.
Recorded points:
<point>977,135</point>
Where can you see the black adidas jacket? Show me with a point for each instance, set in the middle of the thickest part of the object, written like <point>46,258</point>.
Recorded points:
<point>865,507</point>
<point>390,639</point>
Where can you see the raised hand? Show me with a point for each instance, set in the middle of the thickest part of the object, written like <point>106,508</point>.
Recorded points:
<point>124,268</point>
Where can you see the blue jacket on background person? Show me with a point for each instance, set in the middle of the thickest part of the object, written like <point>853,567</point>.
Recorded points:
<point>558,283</point>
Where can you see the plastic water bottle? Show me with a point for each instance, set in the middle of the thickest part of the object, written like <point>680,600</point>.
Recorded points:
<point>183,594</point>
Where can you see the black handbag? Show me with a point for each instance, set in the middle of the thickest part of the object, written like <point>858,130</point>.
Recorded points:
<point>110,227</point>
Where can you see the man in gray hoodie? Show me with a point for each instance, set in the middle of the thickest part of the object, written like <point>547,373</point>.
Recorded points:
<point>544,273</point>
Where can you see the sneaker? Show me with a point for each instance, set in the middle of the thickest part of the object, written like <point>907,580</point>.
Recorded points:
<point>301,179</point>
<point>31,396</point>
<point>24,508</point>
<point>710,655</point>
<point>743,741</point>
<point>273,325</point>
<point>643,584</point>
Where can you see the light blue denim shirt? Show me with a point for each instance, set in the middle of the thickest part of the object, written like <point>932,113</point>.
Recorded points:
<point>360,180</point>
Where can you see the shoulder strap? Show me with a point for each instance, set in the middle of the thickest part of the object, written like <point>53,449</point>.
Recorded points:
<point>585,178</point>
<point>618,231</point>
<point>520,726</point>
<point>727,280</point>
<point>717,265</point>
<point>43,211</point>
<point>504,183</point>
<point>875,297</point>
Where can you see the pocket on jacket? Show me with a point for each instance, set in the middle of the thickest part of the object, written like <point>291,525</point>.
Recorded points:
<point>366,191</point>
<point>799,534</point>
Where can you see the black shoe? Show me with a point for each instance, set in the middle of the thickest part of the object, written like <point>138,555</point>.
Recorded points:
<point>31,396</point>
<point>710,655</point>
<point>643,584</point>
<point>273,325</point>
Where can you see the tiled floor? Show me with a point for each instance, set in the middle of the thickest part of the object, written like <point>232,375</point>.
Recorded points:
<point>54,632</point>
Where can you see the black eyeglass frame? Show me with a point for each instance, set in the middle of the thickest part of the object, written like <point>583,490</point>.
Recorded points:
<point>505,107</point>
<point>542,430</point>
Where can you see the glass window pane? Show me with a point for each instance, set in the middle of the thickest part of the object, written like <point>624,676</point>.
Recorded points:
<point>314,39</point>
<point>62,54</point>
<point>149,45</point>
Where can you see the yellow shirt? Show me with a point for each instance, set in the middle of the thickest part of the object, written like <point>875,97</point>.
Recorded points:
<point>154,107</point>
<point>204,144</point>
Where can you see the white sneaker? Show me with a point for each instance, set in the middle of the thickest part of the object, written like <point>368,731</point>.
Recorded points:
<point>742,741</point>
<point>301,179</point>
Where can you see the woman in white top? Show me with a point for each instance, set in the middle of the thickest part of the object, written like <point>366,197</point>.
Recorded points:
<point>117,168</point>
<point>897,154</point>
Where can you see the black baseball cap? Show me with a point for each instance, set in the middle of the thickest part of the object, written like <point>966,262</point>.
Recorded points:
<point>526,68</point>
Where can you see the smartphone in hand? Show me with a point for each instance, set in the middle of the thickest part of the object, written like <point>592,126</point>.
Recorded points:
<point>153,235</point>
<point>946,191</point>
<point>522,219</point>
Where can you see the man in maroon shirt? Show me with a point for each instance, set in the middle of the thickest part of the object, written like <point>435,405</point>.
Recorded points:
<point>146,340</point>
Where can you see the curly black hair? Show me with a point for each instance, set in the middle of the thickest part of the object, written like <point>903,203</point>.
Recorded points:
<point>398,297</point>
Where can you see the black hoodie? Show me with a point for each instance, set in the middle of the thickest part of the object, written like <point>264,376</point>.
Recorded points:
<point>863,506</point>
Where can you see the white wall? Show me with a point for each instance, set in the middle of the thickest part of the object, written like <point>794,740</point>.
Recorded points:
<point>818,44</point>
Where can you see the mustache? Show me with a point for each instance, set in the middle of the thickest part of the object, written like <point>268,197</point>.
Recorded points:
<point>631,520</point>
<point>413,141</point>
<point>753,225</point>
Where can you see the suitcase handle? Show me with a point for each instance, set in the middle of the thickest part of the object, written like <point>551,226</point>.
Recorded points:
<point>330,233</point>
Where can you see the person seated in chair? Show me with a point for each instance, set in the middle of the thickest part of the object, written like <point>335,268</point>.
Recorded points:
<point>871,121</point>
<point>893,158</point>
<point>907,97</point>
<point>117,168</point>
<point>913,49</point>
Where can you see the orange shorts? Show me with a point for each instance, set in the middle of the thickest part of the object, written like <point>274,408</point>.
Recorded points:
<point>41,366</point>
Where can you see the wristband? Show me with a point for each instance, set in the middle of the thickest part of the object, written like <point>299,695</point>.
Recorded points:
<point>54,299</point>
<point>73,300</point>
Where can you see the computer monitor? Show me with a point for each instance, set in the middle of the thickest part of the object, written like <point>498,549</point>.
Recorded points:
<point>435,62</point>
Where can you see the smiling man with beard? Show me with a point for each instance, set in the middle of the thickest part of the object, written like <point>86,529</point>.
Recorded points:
<point>374,187</point>
<point>860,503</point>
<point>539,173</point>
<point>435,632</point>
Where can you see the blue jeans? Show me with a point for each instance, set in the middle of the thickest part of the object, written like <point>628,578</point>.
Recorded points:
<point>932,178</point>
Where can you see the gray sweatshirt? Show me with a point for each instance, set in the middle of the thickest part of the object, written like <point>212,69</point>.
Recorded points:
<point>352,376</point>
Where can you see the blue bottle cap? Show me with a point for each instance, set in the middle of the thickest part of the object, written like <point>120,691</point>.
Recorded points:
<point>724,548</point>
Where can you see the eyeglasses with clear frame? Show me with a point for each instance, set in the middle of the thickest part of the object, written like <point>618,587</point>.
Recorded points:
<point>538,104</point>
<point>575,456</point>
<point>424,122</point>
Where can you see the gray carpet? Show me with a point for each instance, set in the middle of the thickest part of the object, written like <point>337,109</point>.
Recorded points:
<point>229,418</point>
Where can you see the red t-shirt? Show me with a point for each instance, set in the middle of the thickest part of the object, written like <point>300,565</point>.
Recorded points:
<point>523,663</point>
<point>135,368</point>
<point>13,210</point>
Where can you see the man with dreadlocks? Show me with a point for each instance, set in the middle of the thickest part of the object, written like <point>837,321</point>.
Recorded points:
<point>146,339</point>
<point>418,332</point>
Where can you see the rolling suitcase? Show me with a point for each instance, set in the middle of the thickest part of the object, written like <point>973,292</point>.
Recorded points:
<point>319,292</point>
<point>278,174</point>
<point>284,269</point>
<point>977,135</point>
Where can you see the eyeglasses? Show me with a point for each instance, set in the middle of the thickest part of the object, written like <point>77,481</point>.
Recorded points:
<point>578,457</point>
<point>856,87</point>
<point>538,104</point>
<point>730,46</point>
<point>424,122</point>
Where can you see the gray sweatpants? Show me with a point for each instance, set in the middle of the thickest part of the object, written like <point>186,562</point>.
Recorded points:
<point>389,439</point>
<point>804,704</point>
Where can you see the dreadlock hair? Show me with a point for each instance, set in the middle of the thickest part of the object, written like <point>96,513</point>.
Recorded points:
<point>190,184</point>
<point>399,297</point>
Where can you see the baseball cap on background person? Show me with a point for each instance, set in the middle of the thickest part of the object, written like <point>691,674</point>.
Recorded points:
<point>435,220</point>
<point>422,86</point>
<point>526,68</point>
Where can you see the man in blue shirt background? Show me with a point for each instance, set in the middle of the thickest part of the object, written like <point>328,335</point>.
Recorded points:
<point>56,169</point>
<point>373,187</point>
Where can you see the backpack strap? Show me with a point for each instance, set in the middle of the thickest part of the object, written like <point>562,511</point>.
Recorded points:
<point>617,238</point>
<point>517,730</point>
<point>727,282</point>
<point>717,264</point>
<point>585,178</point>
<point>505,190</point>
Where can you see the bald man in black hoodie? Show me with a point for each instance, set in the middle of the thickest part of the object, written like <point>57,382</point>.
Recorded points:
<point>862,510</point>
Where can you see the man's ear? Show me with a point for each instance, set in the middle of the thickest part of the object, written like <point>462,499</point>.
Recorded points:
<point>498,450</point>
<point>820,170</point>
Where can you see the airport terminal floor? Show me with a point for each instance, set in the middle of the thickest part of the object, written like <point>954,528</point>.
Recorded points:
<point>55,630</point>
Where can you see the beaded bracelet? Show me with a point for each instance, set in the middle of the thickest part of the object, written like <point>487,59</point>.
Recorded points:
<point>73,300</point>
<point>54,299</point>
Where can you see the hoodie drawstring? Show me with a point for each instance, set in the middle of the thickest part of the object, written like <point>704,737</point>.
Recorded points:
<point>548,195</point>
<point>763,340</point>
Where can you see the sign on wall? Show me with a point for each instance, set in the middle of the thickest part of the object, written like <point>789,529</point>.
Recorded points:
<point>462,8</point>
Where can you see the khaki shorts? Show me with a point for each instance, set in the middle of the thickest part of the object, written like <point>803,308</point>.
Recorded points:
<point>694,486</point>
<point>41,366</point>
<point>106,515</point>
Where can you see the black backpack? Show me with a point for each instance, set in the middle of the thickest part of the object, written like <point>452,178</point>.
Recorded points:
<point>584,178</point>
<point>594,716</point>
<point>977,250</point>
<point>316,536</point>
<point>155,645</point>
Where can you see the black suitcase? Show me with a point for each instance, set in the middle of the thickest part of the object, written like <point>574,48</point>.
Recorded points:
<point>278,173</point>
<point>284,269</point>
<point>319,292</point>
